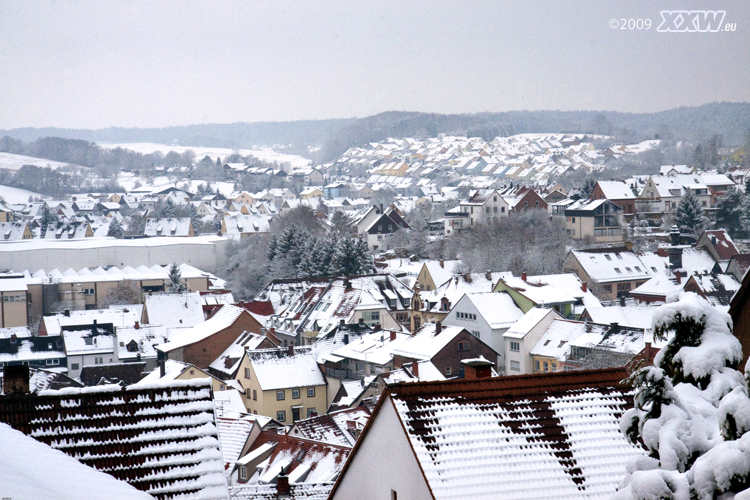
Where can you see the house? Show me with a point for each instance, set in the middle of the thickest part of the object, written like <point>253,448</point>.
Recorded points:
<point>522,198</point>
<point>484,205</point>
<point>609,272</point>
<point>739,309</point>
<point>434,273</point>
<point>381,224</point>
<point>19,347</point>
<point>523,336</point>
<point>487,315</point>
<point>245,226</point>
<point>72,230</point>
<point>284,384</point>
<point>89,345</point>
<point>226,365</point>
<point>172,226</point>
<point>532,436</point>
<point>335,190</point>
<point>618,192</point>
<point>434,305</point>
<point>718,243</point>
<point>176,370</point>
<point>307,176</point>
<point>15,231</point>
<point>203,343</point>
<point>341,427</point>
<point>444,346</point>
<point>278,466</point>
<point>126,432</point>
<point>14,297</point>
<point>599,221</point>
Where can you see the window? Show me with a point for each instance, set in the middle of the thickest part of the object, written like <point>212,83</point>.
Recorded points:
<point>88,291</point>
<point>574,219</point>
<point>247,372</point>
<point>515,346</point>
<point>554,367</point>
<point>243,472</point>
<point>247,393</point>
<point>280,395</point>
<point>295,393</point>
<point>536,365</point>
<point>255,395</point>
<point>75,366</point>
<point>475,333</point>
<point>463,346</point>
<point>394,495</point>
<point>448,370</point>
<point>281,416</point>
<point>222,387</point>
<point>537,203</point>
<point>502,210</point>
<point>525,203</point>
<point>617,270</point>
<point>311,412</point>
<point>98,360</point>
<point>52,362</point>
<point>515,366</point>
<point>311,392</point>
<point>546,366</point>
<point>606,256</point>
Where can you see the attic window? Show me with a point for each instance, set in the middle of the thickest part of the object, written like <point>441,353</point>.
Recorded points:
<point>547,342</point>
<point>607,256</point>
<point>617,270</point>
<point>562,343</point>
<point>89,341</point>
<point>638,269</point>
<point>628,270</point>
<point>618,256</point>
<point>653,269</point>
<point>593,259</point>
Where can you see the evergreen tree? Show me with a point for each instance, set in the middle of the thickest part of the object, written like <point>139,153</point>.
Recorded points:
<point>363,257</point>
<point>168,209</point>
<point>699,157</point>
<point>587,187</point>
<point>747,185</point>
<point>115,229</point>
<point>689,214</point>
<point>692,410</point>
<point>729,210</point>
<point>48,217</point>
<point>192,212</point>
<point>175,283</point>
<point>272,244</point>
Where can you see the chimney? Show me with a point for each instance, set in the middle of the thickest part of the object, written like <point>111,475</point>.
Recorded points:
<point>678,276</point>
<point>393,335</point>
<point>361,321</point>
<point>161,358</point>
<point>282,485</point>
<point>614,326</point>
<point>584,287</point>
<point>137,326</point>
<point>94,329</point>
<point>381,208</point>
<point>674,235</point>
<point>647,350</point>
<point>346,339</point>
<point>376,326</point>
<point>290,350</point>
<point>341,322</point>
<point>488,275</point>
<point>16,379</point>
<point>524,276</point>
<point>415,369</point>
<point>622,301</point>
<point>477,368</point>
<point>442,264</point>
<point>438,328</point>
<point>66,313</point>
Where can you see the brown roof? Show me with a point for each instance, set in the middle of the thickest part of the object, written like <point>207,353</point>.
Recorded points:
<point>162,440</point>
<point>128,373</point>
<point>724,245</point>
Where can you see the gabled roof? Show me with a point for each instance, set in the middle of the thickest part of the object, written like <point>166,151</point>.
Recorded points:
<point>553,436</point>
<point>497,308</point>
<point>276,369</point>
<point>612,265</point>
<point>338,427</point>
<point>174,310</point>
<point>159,439</point>
<point>223,319</point>
<point>616,190</point>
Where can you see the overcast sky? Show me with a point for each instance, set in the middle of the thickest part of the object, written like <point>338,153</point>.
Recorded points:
<point>157,63</point>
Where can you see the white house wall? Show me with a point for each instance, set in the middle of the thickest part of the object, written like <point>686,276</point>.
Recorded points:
<point>383,462</point>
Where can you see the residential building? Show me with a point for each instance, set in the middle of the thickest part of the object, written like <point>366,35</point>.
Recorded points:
<point>172,226</point>
<point>14,301</point>
<point>599,221</point>
<point>284,384</point>
<point>618,192</point>
<point>435,433</point>
<point>523,336</point>
<point>609,272</point>
<point>14,231</point>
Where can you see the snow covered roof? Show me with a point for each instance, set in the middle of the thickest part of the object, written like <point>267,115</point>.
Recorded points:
<point>174,310</point>
<point>538,291</point>
<point>532,318</point>
<point>233,434</point>
<point>223,319</point>
<point>338,427</point>
<point>162,440</point>
<point>531,436</point>
<point>120,317</point>
<point>173,226</point>
<point>275,369</point>
<point>616,190</point>
<point>497,308</point>
<point>228,362</point>
<point>426,342</point>
<point>612,265</point>
<point>61,477</point>
<point>637,316</point>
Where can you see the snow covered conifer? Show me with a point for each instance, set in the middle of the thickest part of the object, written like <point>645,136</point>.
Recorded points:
<point>689,214</point>
<point>175,283</point>
<point>692,410</point>
<point>115,229</point>
<point>729,211</point>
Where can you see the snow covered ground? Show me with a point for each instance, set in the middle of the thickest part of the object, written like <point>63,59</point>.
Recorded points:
<point>15,195</point>
<point>265,154</point>
<point>10,161</point>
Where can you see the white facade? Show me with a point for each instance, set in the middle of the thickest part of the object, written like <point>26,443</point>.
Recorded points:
<point>384,464</point>
<point>522,337</point>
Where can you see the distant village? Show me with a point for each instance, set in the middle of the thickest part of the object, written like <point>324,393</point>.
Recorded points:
<point>130,363</point>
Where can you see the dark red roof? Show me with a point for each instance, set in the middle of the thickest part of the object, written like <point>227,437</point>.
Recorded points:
<point>259,307</point>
